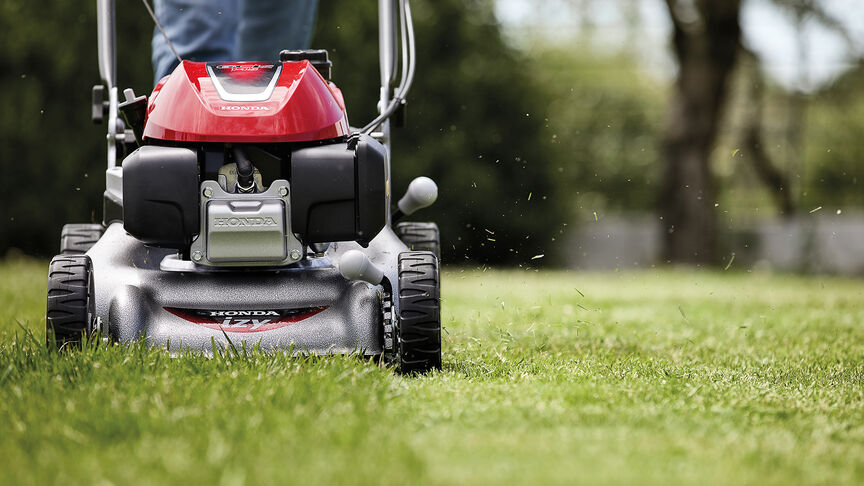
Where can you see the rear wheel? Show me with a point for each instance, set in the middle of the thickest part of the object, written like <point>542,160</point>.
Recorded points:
<point>71,306</point>
<point>77,239</point>
<point>418,327</point>
<point>420,236</point>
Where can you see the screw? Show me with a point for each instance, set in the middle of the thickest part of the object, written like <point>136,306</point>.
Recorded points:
<point>295,254</point>
<point>208,192</point>
<point>197,256</point>
<point>283,191</point>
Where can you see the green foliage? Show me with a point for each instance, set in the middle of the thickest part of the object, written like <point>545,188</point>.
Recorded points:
<point>475,124</point>
<point>834,152</point>
<point>604,120</point>
<point>549,378</point>
<point>813,138</point>
<point>51,155</point>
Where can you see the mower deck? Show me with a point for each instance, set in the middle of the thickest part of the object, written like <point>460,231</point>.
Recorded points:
<point>305,309</point>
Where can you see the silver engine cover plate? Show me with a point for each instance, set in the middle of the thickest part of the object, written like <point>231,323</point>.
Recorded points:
<point>245,229</point>
<point>251,230</point>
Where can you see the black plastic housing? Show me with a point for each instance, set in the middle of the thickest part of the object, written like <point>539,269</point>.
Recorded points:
<point>319,58</point>
<point>338,191</point>
<point>135,113</point>
<point>160,196</point>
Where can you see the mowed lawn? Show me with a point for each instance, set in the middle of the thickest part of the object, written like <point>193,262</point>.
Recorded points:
<point>651,377</point>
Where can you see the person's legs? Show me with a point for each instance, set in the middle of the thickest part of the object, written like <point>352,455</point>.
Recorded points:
<point>269,26</point>
<point>201,30</point>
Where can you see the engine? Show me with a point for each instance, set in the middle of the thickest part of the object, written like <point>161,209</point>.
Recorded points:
<point>249,164</point>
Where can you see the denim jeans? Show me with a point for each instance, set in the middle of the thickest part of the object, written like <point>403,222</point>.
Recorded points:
<point>230,30</point>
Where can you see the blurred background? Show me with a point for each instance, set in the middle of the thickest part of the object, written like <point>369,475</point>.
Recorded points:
<point>592,134</point>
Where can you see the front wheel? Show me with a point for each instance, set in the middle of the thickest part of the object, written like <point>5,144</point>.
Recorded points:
<point>418,327</point>
<point>71,305</point>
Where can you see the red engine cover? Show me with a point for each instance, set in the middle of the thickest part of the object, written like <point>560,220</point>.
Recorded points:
<point>245,102</point>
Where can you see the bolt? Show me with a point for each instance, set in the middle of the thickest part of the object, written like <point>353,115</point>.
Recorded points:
<point>283,191</point>
<point>295,254</point>
<point>208,192</point>
<point>197,256</point>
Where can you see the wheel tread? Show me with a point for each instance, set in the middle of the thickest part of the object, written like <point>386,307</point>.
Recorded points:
<point>70,305</point>
<point>419,348</point>
<point>78,238</point>
<point>420,236</point>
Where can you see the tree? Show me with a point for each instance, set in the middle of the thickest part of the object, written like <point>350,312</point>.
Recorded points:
<point>706,37</point>
<point>707,45</point>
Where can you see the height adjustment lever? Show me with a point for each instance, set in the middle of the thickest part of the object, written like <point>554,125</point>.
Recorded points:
<point>98,105</point>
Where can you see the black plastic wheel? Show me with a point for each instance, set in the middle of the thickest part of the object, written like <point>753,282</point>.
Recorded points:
<point>420,236</point>
<point>418,328</point>
<point>71,306</point>
<point>76,239</point>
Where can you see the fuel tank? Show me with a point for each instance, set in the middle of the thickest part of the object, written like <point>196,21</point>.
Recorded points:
<point>245,102</point>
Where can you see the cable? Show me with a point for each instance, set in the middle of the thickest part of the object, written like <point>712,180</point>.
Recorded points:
<point>404,42</point>
<point>407,80</point>
<point>407,25</point>
<point>159,26</point>
<point>412,48</point>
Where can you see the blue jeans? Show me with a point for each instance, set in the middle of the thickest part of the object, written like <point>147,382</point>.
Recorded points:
<point>230,30</point>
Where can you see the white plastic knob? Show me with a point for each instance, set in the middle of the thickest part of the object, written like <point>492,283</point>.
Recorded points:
<point>354,265</point>
<point>421,193</point>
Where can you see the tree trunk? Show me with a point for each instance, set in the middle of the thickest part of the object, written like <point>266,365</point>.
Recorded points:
<point>706,46</point>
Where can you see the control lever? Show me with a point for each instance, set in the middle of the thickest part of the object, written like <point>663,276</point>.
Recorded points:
<point>355,265</point>
<point>421,193</point>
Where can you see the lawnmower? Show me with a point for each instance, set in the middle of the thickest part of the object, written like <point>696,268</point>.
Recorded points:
<point>247,212</point>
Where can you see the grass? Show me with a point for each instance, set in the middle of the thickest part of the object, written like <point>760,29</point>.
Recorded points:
<point>661,377</point>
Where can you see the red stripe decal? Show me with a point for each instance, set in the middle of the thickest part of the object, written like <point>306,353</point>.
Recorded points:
<point>243,321</point>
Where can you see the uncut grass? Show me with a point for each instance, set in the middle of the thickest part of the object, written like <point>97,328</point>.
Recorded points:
<point>665,377</point>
